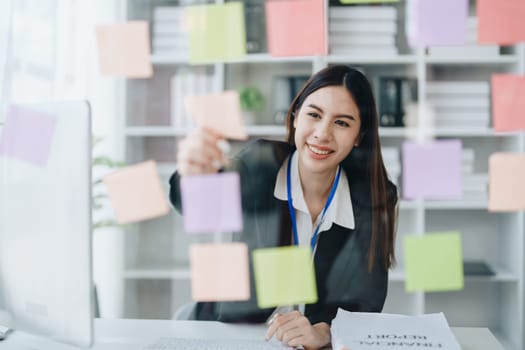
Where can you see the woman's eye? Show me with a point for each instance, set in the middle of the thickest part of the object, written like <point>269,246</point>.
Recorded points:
<point>314,115</point>
<point>342,123</point>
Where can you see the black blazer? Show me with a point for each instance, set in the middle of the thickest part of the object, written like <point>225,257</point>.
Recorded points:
<point>341,259</point>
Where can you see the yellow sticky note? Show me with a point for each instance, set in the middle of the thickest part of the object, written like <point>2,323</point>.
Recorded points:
<point>217,32</point>
<point>219,272</point>
<point>124,50</point>
<point>506,185</point>
<point>136,193</point>
<point>433,262</point>
<point>284,276</point>
<point>219,112</point>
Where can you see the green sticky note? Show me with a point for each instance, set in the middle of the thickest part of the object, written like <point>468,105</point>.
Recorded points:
<point>365,1</point>
<point>284,276</point>
<point>433,262</point>
<point>217,32</point>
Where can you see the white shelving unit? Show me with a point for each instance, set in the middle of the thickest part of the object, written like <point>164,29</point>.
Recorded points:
<point>156,260</point>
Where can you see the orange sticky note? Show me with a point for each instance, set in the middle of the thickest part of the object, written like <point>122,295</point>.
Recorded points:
<point>124,50</point>
<point>506,185</point>
<point>296,27</point>
<point>136,193</point>
<point>501,21</point>
<point>219,272</point>
<point>508,102</point>
<point>219,112</point>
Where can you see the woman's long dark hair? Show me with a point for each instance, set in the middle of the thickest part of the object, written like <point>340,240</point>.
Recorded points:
<point>365,159</point>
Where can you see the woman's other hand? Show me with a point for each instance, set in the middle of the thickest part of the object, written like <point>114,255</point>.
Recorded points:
<point>201,153</point>
<point>294,329</point>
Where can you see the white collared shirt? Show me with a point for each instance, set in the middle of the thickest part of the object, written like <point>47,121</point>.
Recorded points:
<point>340,211</point>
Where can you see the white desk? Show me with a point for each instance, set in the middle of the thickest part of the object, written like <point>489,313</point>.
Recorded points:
<point>136,334</point>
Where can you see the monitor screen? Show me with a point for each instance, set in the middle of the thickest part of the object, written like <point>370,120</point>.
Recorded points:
<point>45,220</point>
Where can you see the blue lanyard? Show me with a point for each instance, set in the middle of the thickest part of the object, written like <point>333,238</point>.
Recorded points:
<point>313,241</point>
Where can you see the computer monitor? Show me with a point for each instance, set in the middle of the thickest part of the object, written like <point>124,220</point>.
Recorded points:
<point>45,229</point>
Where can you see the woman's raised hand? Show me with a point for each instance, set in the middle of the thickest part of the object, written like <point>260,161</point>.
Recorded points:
<point>201,152</point>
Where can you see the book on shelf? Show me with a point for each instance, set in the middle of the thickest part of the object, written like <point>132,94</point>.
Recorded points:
<point>363,51</point>
<point>394,94</point>
<point>477,268</point>
<point>363,13</point>
<point>458,87</point>
<point>471,48</point>
<point>194,81</point>
<point>367,39</point>
<point>168,13</point>
<point>466,51</point>
<point>362,26</point>
<point>459,102</point>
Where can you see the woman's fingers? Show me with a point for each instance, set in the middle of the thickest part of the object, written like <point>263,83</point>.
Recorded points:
<point>279,321</point>
<point>199,153</point>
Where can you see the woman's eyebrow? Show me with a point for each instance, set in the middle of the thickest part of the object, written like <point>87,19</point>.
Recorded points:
<point>311,105</point>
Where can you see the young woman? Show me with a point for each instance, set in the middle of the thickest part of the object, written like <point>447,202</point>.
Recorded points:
<point>325,187</point>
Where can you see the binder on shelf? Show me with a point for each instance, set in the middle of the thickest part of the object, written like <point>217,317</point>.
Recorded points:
<point>394,94</point>
<point>255,26</point>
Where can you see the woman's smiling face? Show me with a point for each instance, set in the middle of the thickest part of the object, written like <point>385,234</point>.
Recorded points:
<point>326,129</point>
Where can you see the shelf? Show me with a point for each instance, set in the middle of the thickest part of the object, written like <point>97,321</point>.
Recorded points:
<point>445,132</point>
<point>502,339</point>
<point>501,275</point>
<point>267,58</point>
<point>157,59</point>
<point>158,131</point>
<point>366,59</point>
<point>501,59</point>
<point>144,131</point>
<point>456,204</point>
<point>181,273</point>
<point>249,58</point>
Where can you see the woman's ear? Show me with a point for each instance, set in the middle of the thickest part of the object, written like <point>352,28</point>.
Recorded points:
<point>294,115</point>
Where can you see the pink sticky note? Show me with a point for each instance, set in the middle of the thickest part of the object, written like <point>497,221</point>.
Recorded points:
<point>506,185</point>
<point>437,22</point>
<point>124,50</point>
<point>136,193</point>
<point>432,170</point>
<point>501,21</point>
<point>27,135</point>
<point>219,112</point>
<point>296,27</point>
<point>508,102</point>
<point>211,203</point>
<point>219,272</point>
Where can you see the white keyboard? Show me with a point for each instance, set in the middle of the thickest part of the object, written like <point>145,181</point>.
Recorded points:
<point>215,344</point>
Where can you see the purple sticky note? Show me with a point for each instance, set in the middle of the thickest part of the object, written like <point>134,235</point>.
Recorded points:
<point>211,203</point>
<point>432,170</point>
<point>27,135</point>
<point>437,22</point>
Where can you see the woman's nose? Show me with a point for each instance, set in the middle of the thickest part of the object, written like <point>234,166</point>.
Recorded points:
<point>322,130</point>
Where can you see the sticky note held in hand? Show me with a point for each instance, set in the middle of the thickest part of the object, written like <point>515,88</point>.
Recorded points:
<point>284,276</point>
